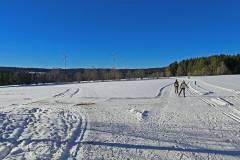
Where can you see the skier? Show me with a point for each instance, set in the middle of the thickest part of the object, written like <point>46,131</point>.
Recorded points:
<point>176,85</point>
<point>183,86</point>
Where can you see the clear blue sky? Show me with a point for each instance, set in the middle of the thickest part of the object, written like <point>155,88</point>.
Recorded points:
<point>143,33</point>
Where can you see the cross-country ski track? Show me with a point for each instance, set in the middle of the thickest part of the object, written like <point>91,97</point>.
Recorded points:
<point>122,120</point>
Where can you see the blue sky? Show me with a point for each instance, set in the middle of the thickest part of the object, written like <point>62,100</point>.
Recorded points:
<point>142,33</point>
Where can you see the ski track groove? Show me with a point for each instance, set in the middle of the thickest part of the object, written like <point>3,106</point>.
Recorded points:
<point>217,107</point>
<point>236,92</point>
<point>161,89</point>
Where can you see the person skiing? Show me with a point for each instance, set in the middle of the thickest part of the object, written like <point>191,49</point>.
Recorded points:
<point>176,85</point>
<point>183,86</point>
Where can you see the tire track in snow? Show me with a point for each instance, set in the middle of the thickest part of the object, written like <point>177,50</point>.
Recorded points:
<point>61,94</point>
<point>74,93</point>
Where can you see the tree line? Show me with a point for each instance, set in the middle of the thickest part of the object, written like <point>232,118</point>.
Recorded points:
<point>212,65</point>
<point>204,66</point>
<point>16,76</point>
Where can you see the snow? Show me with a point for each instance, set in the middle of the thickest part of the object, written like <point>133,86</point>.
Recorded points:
<point>227,82</point>
<point>139,114</point>
<point>122,120</point>
<point>125,89</point>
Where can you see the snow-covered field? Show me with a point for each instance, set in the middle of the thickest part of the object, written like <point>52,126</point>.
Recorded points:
<point>122,120</point>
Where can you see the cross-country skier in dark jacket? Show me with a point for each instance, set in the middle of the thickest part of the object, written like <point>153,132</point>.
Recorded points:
<point>183,86</point>
<point>176,85</point>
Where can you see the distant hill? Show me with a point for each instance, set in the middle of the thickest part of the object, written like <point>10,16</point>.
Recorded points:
<point>212,65</point>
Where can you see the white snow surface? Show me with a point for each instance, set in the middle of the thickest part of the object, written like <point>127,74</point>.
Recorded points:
<point>122,120</point>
